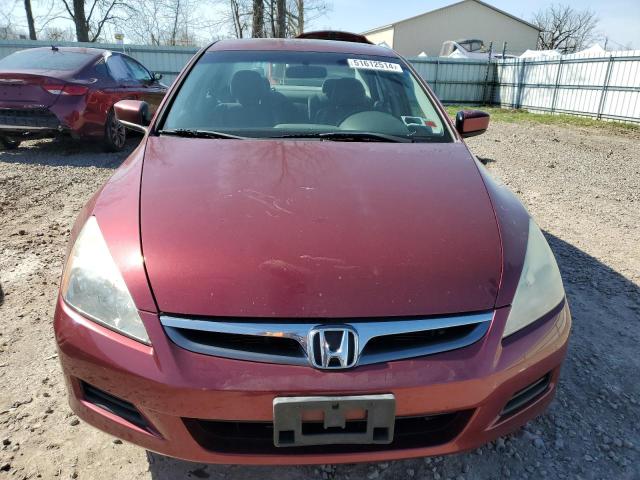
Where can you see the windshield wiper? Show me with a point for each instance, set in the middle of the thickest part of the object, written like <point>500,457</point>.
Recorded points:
<point>350,137</point>
<point>184,132</point>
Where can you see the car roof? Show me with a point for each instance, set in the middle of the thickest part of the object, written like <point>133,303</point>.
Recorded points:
<point>302,45</point>
<point>89,51</point>
<point>93,55</point>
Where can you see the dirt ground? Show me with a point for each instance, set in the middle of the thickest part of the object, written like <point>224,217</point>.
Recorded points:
<point>583,187</point>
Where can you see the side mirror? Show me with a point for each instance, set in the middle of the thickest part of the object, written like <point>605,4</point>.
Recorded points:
<point>157,76</point>
<point>470,123</point>
<point>133,114</point>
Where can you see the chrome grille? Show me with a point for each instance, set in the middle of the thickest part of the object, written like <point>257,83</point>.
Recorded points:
<point>287,342</point>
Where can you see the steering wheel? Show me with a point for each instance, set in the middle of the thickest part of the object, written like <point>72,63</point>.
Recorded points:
<point>375,121</point>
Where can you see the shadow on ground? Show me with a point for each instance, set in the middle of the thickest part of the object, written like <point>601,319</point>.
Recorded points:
<point>605,306</point>
<point>486,160</point>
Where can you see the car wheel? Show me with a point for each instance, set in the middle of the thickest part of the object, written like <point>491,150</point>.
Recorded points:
<point>9,143</point>
<point>115,134</point>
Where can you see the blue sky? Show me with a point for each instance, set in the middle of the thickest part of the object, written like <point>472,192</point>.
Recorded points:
<point>619,19</point>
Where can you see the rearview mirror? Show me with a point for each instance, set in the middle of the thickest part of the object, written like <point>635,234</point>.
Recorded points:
<point>470,123</point>
<point>133,114</point>
<point>306,71</point>
<point>157,76</point>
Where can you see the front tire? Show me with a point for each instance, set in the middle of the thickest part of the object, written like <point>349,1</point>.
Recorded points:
<point>8,143</point>
<point>115,134</point>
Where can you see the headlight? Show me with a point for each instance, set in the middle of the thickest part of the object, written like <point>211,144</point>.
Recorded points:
<point>540,287</point>
<point>93,285</point>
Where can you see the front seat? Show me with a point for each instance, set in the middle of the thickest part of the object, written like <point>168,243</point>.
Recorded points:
<point>348,97</point>
<point>251,109</point>
<point>317,102</point>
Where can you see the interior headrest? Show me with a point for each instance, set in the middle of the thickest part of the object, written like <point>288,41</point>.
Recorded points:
<point>329,86</point>
<point>349,91</point>
<point>247,87</point>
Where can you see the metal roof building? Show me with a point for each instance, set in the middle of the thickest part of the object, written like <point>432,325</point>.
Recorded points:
<point>465,19</point>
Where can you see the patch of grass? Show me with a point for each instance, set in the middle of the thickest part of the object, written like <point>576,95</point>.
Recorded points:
<point>515,116</point>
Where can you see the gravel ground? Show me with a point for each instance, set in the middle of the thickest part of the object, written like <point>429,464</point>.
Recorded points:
<point>581,185</point>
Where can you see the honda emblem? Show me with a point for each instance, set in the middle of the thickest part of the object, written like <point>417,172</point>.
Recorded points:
<point>332,348</point>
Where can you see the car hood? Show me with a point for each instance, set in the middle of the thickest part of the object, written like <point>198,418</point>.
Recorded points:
<point>264,228</point>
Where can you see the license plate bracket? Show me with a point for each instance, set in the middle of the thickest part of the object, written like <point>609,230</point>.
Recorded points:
<point>361,420</point>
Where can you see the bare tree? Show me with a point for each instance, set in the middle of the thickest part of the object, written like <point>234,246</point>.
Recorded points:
<point>57,34</point>
<point>269,18</point>
<point>271,15</point>
<point>611,45</point>
<point>233,18</point>
<point>162,22</point>
<point>257,30</point>
<point>302,12</point>
<point>30,21</point>
<point>175,14</point>
<point>239,16</point>
<point>148,19</point>
<point>281,19</point>
<point>565,29</point>
<point>8,29</point>
<point>300,17</point>
<point>89,24</point>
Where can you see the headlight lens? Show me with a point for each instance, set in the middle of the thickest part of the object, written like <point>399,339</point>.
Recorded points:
<point>540,287</point>
<point>93,285</point>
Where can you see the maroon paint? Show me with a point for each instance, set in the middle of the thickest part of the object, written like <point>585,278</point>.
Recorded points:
<point>132,111</point>
<point>513,223</point>
<point>168,383</point>
<point>317,229</point>
<point>301,45</point>
<point>116,208</point>
<point>214,212</point>
<point>81,115</point>
<point>333,35</point>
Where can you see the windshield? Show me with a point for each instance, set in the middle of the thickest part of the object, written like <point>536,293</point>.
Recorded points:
<point>295,94</point>
<point>45,59</point>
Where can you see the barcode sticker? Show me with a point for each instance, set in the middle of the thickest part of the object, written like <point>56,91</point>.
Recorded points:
<point>374,65</point>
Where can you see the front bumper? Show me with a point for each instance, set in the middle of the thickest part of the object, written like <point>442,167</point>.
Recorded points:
<point>171,388</point>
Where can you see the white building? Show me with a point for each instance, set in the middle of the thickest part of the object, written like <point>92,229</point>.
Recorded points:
<point>463,20</point>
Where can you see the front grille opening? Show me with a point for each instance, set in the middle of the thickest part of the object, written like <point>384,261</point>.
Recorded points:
<point>115,405</point>
<point>387,339</point>
<point>257,437</point>
<point>317,428</point>
<point>317,354</point>
<point>422,339</point>
<point>380,434</point>
<point>279,346</point>
<point>286,437</point>
<point>526,396</point>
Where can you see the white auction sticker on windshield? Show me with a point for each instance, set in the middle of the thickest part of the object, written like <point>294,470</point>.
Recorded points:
<point>374,65</point>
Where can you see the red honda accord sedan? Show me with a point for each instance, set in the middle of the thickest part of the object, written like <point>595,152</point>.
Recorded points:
<point>303,263</point>
<point>68,90</point>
